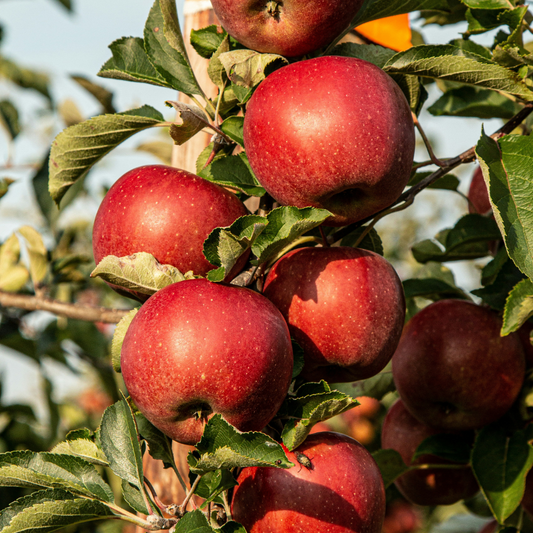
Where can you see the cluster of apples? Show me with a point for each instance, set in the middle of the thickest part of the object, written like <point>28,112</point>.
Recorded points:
<point>197,348</point>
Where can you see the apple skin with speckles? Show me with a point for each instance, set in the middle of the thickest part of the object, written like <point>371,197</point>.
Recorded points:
<point>166,212</point>
<point>332,132</point>
<point>452,368</point>
<point>197,348</point>
<point>345,307</point>
<point>290,27</point>
<point>478,194</point>
<point>404,433</point>
<point>340,492</point>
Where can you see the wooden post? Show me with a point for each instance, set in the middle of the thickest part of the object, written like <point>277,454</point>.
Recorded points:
<point>198,14</point>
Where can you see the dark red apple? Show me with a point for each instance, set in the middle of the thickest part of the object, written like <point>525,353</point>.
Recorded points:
<point>345,307</point>
<point>478,194</point>
<point>453,370</point>
<point>166,212</point>
<point>197,348</point>
<point>289,27</point>
<point>331,132</point>
<point>403,433</point>
<point>334,487</point>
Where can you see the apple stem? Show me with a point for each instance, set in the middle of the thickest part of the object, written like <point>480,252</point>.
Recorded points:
<point>190,493</point>
<point>227,506</point>
<point>324,238</point>
<point>434,159</point>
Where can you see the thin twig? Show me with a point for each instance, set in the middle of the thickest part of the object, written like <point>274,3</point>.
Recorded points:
<point>227,506</point>
<point>183,506</point>
<point>68,310</point>
<point>434,159</point>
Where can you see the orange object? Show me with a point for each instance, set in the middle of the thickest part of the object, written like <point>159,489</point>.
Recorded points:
<point>392,32</point>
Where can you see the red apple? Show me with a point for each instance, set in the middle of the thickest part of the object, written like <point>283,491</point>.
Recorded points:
<point>345,307</point>
<point>403,433</point>
<point>453,370</point>
<point>331,132</point>
<point>166,212</point>
<point>334,487</point>
<point>478,194</point>
<point>402,517</point>
<point>289,27</point>
<point>197,348</point>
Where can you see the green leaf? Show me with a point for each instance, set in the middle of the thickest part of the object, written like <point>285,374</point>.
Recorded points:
<point>432,289</point>
<point>467,240</point>
<point>207,40</point>
<point>215,70</point>
<point>233,171</point>
<point>377,9</point>
<point>518,307</point>
<point>377,55</point>
<point>119,440</point>
<point>248,68</point>
<point>213,484</point>
<point>134,498</point>
<point>285,224</point>
<point>118,338</point>
<point>390,464</point>
<point>159,445</point>
<point>38,254</point>
<point>140,272</point>
<point>508,171</point>
<point>223,446</point>
<point>375,387</point>
<point>495,295</point>
<point>452,447</point>
<point>306,409</point>
<point>371,241</point>
<point>76,149</point>
<point>474,102</point>
<point>500,463</point>
<point>164,45</point>
<point>194,522</point>
<point>493,268</point>
<point>456,64</point>
<point>224,246</point>
<point>25,78</point>
<point>85,448</point>
<point>233,128</point>
<point>50,470</point>
<point>413,90</point>
<point>9,117</point>
<point>488,4</point>
<point>50,510</point>
<point>130,62</point>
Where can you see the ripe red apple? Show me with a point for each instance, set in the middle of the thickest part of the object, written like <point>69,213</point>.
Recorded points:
<point>331,132</point>
<point>402,517</point>
<point>478,194</point>
<point>337,489</point>
<point>289,27</point>
<point>197,348</point>
<point>403,433</point>
<point>344,306</point>
<point>453,370</point>
<point>166,212</point>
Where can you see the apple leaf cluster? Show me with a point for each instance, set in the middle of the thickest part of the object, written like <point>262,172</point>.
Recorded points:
<point>447,443</point>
